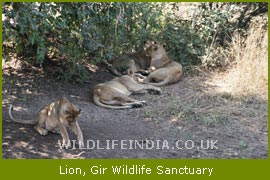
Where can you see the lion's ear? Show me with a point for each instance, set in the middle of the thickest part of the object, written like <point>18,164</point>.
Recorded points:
<point>132,62</point>
<point>164,45</point>
<point>77,111</point>
<point>130,72</point>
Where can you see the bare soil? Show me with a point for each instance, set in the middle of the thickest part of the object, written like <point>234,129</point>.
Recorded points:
<point>191,112</point>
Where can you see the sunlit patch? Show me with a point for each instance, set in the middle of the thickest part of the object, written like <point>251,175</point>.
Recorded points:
<point>17,155</point>
<point>8,100</point>
<point>18,108</point>
<point>7,137</point>
<point>248,75</point>
<point>23,130</point>
<point>21,144</point>
<point>66,155</point>
<point>91,67</point>
<point>5,144</point>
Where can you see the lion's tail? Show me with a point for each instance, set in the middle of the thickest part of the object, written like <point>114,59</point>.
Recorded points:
<point>162,83</point>
<point>10,109</point>
<point>96,100</point>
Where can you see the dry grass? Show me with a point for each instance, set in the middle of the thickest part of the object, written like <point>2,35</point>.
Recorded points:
<point>229,106</point>
<point>248,74</point>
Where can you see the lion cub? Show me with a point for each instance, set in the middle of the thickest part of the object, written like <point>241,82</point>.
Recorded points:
<point>114,94</point>
<point>163,71</point>
<point>136,62</point>
<point>56,117</point>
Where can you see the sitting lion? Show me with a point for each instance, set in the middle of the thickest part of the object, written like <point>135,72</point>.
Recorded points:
<point>163,71</point>
<point>55,117</point>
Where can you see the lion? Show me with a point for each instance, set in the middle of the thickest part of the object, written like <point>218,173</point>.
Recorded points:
<point>163,71</point>
<point>114,94</point>
<point>136,62</point>
<point>124,65</point>
<point>56,117</point>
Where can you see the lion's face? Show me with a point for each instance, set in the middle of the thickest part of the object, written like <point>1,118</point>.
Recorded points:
<point>155,50</point>
<point>72,113</point>
<point>148,43</point>
<point>131,68</point>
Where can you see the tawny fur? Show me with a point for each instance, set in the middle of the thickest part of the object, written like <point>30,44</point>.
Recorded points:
<point>55,117</point>
<point>115,94</point>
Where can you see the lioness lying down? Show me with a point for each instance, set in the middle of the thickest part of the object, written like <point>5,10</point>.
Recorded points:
<point>56,117</point>
<point>135,62</point>
<point>114,94</point>
<point>163,70</point>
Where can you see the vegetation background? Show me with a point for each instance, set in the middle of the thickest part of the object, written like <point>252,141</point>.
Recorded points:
<point>223,47</point>
<point>77,33</point>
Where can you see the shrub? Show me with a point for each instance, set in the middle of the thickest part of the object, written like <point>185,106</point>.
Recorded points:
<point>248,74</point>
<point>94,32</point>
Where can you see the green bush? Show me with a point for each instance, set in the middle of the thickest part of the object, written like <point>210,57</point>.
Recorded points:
<point>78,33</point>
<point>182,44</point>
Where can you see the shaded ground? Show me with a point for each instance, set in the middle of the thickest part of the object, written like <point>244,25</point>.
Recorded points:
<point>191,110</point>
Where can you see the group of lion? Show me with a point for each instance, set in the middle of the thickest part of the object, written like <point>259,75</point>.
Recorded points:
<point>139,72</point>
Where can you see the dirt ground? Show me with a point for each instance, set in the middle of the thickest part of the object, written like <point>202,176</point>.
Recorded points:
<point>189,113</point>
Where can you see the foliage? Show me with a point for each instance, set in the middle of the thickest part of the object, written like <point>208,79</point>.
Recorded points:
<point>182,44</point>
<point>76,33</point>
<point>216,25</point>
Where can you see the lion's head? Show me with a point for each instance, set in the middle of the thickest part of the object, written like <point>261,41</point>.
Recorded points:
<point>155,50</point>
